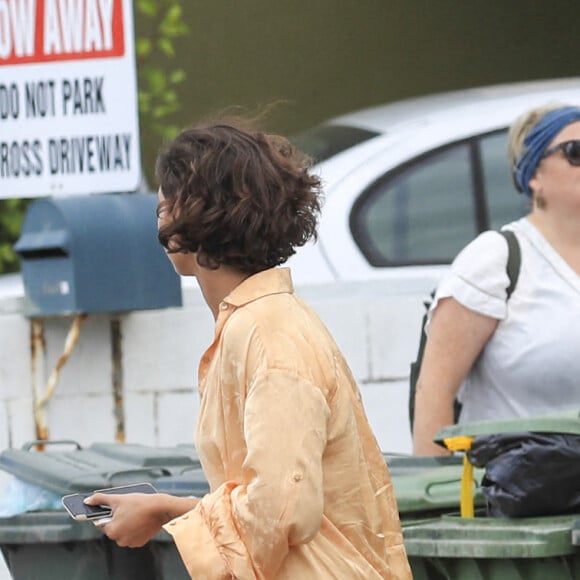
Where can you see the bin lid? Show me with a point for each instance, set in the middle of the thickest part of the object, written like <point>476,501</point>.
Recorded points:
<point>150,456</point>
<point>64,470</point>
<point>192,482</point>
<point>453,537</point>
<point>45,527</point>
<point>565,422</point>
<point>432,491</point>
<point>429,485</point>
<point>401,464</point>
<point>422,484</point>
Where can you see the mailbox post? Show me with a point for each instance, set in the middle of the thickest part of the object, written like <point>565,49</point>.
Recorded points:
<point>91,254</point>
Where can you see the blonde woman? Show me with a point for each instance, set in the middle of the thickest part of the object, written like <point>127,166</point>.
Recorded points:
<point>518,357</point>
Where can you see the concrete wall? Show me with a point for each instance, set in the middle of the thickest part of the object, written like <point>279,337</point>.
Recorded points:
<point>160,349</point>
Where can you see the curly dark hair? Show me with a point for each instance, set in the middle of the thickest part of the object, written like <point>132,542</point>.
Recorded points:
<point>237,197</point>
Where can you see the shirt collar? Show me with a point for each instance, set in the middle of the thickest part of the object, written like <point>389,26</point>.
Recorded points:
<point>271,281</point>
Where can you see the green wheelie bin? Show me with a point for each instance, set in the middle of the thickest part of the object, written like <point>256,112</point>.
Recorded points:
<point>452,546</point>
<point>50,545</point>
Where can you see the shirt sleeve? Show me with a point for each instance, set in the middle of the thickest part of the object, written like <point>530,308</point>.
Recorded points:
<point>245,529</point>
<point>478,279</point>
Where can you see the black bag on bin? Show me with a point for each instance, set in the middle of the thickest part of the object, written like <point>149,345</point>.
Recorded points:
<point>529,474</point>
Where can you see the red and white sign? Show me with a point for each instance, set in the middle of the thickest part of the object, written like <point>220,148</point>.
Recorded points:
<point>68,98</point>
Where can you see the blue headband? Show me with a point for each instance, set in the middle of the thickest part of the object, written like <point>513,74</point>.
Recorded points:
<point>537,142</point>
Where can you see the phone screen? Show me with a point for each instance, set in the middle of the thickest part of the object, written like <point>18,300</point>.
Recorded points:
<point>74,505</point>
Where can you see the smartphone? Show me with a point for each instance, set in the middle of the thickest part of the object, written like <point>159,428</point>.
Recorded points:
<point>74,505</point>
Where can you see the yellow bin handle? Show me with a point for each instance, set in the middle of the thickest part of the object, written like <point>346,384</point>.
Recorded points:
<point>463,443</point>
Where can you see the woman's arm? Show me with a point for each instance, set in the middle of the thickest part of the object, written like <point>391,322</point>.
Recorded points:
<point>456,337</point>
<point>250,524</point>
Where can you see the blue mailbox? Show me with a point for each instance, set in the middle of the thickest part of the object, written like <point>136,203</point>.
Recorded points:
<point>96,253</point>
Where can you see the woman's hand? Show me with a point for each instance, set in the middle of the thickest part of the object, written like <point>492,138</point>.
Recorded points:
<point>137,517</point>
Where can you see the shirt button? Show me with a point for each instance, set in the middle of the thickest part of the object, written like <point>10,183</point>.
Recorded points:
<point>223,306</point>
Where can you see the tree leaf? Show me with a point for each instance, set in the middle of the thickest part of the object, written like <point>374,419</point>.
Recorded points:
<point>157,71</point>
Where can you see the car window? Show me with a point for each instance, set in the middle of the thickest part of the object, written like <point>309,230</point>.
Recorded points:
<point>324,141</point>
<point>422,214</point>
<point>504,202</point>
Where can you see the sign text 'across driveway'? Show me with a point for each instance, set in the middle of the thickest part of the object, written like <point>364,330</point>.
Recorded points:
<point>68,98</point>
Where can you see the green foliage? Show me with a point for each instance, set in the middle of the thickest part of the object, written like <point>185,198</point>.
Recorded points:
<point>11,215</point>
<point>158,100</point>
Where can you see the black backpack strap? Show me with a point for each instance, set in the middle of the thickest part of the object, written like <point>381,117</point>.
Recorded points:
<point>514,260</point>
<point>416,366</point>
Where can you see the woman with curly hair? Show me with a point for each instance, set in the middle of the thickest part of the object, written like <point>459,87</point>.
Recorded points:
<point>299,487</point>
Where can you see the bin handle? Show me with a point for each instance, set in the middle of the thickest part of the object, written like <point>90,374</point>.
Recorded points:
<point>576,532</point>
<point>463,443</point>
<point>149,473</point>
<point>36,442</point>
<point>188,468</point>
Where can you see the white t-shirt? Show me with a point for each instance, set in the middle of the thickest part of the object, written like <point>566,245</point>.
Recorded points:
<point>531,364</point>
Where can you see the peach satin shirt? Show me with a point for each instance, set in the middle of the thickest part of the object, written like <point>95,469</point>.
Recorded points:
<point>300,489</point>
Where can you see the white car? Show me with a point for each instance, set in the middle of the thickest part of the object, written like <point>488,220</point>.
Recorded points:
<point>408,184</point>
